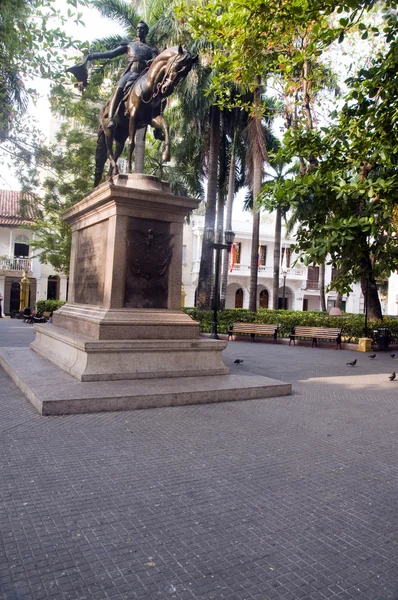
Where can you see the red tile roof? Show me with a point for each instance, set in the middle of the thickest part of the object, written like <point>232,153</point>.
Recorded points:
<point>10,208</point>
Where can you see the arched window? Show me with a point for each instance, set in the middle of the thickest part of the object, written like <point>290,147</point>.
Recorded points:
<point>264,299</point>
<point>239,298</point>
<point>21,247</point>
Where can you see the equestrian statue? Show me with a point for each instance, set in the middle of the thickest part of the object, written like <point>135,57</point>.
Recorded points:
<point>139,98</point>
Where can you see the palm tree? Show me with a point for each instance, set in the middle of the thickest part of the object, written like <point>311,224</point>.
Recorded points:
<point>273,177</point>
<point>235,124</point>
<point>257,155</point>
<point>259,138</point>
<point>206,261</point>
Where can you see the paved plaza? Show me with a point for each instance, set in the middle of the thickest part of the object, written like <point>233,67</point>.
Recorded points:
<point>279,499</point>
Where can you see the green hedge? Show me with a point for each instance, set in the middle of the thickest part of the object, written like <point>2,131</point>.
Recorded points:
<point>353,326</point>
<point>48,305</point>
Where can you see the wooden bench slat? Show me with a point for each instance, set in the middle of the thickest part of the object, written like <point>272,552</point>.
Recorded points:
<point>253,329</point>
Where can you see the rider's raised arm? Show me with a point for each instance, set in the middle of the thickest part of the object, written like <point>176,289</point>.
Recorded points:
<point>110,54</point>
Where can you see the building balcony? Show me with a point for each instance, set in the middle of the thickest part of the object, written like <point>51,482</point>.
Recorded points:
<point>10,263</point>
<point>311,284</point>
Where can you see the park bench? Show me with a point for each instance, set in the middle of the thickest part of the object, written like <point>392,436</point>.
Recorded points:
<point>41,317</point>
<point>253,329</point>
<point>316,333</point>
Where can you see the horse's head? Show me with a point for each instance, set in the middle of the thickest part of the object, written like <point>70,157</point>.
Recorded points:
<point>177,67</point>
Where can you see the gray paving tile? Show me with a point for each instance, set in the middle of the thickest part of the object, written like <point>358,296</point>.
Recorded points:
<point>290,497</point>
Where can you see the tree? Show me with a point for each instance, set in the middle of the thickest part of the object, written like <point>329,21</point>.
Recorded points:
<point>206,261</point>
<point>29,47</point>
<point>68,180</point>
<point>353,187</point>
<point>273,178</point>
<point>251,38</point>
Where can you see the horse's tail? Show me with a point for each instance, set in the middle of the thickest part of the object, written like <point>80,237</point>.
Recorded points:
<point>101,154</point>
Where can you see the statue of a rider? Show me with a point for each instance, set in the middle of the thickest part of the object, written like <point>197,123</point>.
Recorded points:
<point>139,56</point>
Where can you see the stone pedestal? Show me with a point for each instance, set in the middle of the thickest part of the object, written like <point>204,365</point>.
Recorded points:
<point>122,334</point>
<point>123,318</point>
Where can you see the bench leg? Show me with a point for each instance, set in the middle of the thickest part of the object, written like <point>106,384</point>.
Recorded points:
<point>252,337</point>
<point>314,341</point>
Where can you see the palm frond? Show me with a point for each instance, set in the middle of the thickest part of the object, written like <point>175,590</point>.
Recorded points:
<point>107,43</point>
<point>120,11</point>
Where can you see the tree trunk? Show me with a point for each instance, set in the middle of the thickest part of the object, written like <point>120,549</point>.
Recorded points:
<point>206,260</point>
<point>339,299</point>
<point>219,234</point>
<point>277,258</point>
<point>258,168</point>
<point>373,301</point>
<point>228,222</point>
<point>322,286</point>
<point>254,260</point>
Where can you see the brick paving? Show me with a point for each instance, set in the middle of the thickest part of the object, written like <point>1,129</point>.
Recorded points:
<point>278,499</point>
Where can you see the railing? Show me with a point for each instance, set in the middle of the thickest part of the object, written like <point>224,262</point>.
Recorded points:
<point>312,284</point>
<point>7,263</point>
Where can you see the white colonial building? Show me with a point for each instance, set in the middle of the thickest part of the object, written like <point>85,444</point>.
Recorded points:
<point>301,283</point>
<point>16,256</point>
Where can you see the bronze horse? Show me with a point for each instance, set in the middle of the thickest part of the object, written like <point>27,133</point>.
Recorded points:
<point>142,105</point>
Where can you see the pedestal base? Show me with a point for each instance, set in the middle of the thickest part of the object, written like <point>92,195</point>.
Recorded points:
<point>126,324</point>
<point>88,359</point>
<point>54,392</point>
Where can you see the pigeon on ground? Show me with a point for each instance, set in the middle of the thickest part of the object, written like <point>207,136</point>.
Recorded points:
<point>392,376</point>
<point>372,355</point>
<point>392,355</point>
<point>353,363</point>
<point>238,361</point>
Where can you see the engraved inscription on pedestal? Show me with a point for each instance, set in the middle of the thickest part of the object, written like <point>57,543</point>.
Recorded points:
<point>90,264</point>
<point>149,253</point>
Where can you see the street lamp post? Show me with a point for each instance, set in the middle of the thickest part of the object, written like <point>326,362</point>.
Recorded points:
<point>229,240</point>
<point>284,274</point>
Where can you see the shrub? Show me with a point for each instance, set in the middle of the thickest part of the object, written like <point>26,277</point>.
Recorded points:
<point>48,305</point>
<point>352,325</point>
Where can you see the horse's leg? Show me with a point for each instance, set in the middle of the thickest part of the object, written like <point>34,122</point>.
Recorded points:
<point>132,132</point>
<point>109,138</point>
<point>101,155</point>
<point>159,123</point>
<point>119,145</point>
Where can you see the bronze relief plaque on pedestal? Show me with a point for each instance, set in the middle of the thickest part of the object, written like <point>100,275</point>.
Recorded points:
<point>90,264</point>
<point>149,253</point>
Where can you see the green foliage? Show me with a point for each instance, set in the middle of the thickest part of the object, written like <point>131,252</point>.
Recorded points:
<point>349,194</point>
<point>48,305</point>
<point>252,38</point>
<point>30,46</point>
<point>353,326</point>
<point>69,177</point>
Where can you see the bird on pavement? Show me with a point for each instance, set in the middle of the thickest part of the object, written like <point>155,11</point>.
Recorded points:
<point>392,355</point>
<point>238,361</point>
<point>353,363</point>
<point>372,355</point>
<point>392,376</point>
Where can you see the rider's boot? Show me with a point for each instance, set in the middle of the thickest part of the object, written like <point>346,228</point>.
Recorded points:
<point>113,107</point>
